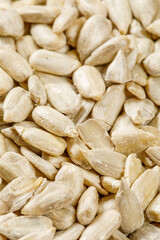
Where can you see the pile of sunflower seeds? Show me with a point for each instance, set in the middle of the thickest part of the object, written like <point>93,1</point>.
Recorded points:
<point>79,119</point>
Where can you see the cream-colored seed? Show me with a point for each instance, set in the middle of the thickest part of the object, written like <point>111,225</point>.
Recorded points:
<point>7,42</point>
<point>10,145</point>
<point>133,168</point>
<point>73,31</point>
<point>145,47</point>
<point>153,131</point>
<point>117,235</point>
<point>44,141</point>
<point>26,46</point>
<point>140,111</point>
<point>87,206</point>
<point>153,89</point>
<point>87,41</point>
<point>55,161</point>
<point>118,71</point>
<point>109,107</point>
<point>63,218</point>
<point>48,234</point>
<point>139,75</point>
<point>110,184</point>
<point>131,141</point>
<point>106,162</point>
<point>17,105</point>
<point>54,121</point>
<point>153,153</point>
<point>12,133</point>
<point>129,208</point>
<point>91,178</point>
<point>45,38</point>
<point>123,11</point>
<point>53,62</point>
<point>56,195</point>
<point>151,64</point>
<point>72,233</point>
<point>122,123</point>
<point>156,121</point>
<point>147,231</point>
<point>38,14</point>
<point>94,133</point>
<point>76,149</point>
<point>102,226</point>
<point>106,203</point>
<point>19,71</point>
<point>144,11</point>
<point>3,148</point>
<point>12,166</point>
<point>73,178</point>
<point>79,120</point>
<point>20,226</point>
<point>136,90</point>
<point>16,194</point>
<point>67,16</point>
<point>146,186</point>
<point>37,90</point>
<point>13,26</point>
<point>154,27</point>
<point>137,29</point>
<point>45,167</point>
<point>153,210</point>
<point>69,102</point>
<point>83,112</point>
<point>93,7</point>
<point>89,82</point>
<point>146,160</point>
<point>104,55</point>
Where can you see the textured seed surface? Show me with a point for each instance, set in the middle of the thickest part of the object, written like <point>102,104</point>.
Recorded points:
<point>133,168</point>
<point>93,7</point>
<point>108,108</point>
<point>118,71</point>
<point>94,133</point>
<point>123,10</point>
<point>53,62</point>
<point>140,111</point>
<point>106,162</point>
<point>37,90</point>
<point>44,141</point>
<point>107,51</point>
<point>101,227</point>
<point>19,71</point>
<point>20,226</point>
<point>63,218</point>
<point>38,14</point>
<point>11,24</point>
<point>131,141</point>
<point>45,167</point>
<point>54,121</point>
<point>146,186</point>
<point>12,166</point>
<point>87,206</point>
<point>73,178</point>
<point>44,37</point>
<point>55,196</point>
<point>93,84</point>
<point>87,41</point>
<point>129,208</point>
<point>79,120</point>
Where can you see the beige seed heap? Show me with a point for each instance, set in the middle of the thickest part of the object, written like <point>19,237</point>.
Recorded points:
<point>79,119</point>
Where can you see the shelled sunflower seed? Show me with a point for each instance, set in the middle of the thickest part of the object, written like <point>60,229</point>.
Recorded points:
<point>79,120</point>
